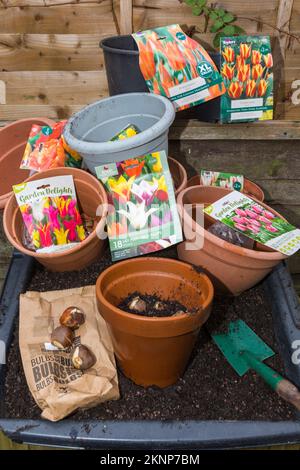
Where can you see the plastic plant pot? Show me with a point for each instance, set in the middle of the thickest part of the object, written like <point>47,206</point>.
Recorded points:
<point>178,174</point>
<point>140,342</point>
<point>90,130</point>
<point>121,57</point>
<point>90,194</point>
<point>142,434</point>
<point>250,188</point>
<point>13,139</point>
<point>231,266</point>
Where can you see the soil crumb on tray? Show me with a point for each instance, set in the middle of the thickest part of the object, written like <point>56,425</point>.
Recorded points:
<point>209,389</point>
<point>151,305</point>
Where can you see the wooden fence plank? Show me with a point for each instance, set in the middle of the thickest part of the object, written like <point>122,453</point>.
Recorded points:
<point>126,24</point>
<point>283,22</point>
<point>65,18</point>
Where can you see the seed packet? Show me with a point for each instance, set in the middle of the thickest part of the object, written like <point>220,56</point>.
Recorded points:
<point>221,179</point>
<point>50,213</point>
<point>142,216</point>
<point>129,131</point>
<point>250,218</point>
<point>46,148</point>
<point>176,66</point>
<point>247,70</point>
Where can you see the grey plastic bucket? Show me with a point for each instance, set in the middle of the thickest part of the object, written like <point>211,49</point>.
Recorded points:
<point>89,131</point>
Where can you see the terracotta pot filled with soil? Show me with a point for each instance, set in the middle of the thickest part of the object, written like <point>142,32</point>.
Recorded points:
<point>171,301</point>
<point>179,175</point>
<point>232,267</point>
<point>13,139</point>
<point>90,194</point>
<point>250,189</point>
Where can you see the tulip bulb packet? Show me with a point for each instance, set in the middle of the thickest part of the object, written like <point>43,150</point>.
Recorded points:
<point>50,213</point>
<point>222,180</point>
<point>251,219</point>
<point>128,131</point>
<point>46,148</point>
<point>247,70</point>
<point>142,215</point>
<point>176,66</point>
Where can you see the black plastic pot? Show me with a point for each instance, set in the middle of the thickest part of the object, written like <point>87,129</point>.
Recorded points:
<point>155,435</point>
<point>121,57</point>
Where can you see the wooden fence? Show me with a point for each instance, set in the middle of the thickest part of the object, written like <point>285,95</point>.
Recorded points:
<point>51,63</point>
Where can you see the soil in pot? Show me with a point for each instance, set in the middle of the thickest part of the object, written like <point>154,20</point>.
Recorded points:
<point>209,389</point>
<point>151,305</point>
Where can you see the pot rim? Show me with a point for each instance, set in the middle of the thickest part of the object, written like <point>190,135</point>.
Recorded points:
<point>116,50</point>
<point>241,251</point>
<point>180,318</point>
<point>79,245</point>
<point>259,189</point>
<point>183,174</point>
<point>118,146</point>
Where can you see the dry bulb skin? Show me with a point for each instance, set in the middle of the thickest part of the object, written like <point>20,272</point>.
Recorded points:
<point>83,358</point>
<point>137,304</point>
<point>72,317</point>
<point>62,337</point>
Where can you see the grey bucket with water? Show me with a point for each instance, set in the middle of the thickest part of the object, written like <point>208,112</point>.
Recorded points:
<point>89,131</point>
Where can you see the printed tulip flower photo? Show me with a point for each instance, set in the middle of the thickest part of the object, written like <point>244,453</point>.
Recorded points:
<point>142,206</point>
<point>256,222</point>
<point>247,71</point>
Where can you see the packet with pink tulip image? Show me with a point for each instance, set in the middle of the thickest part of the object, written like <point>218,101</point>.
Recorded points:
<point>247,71</point>
<point>142,214</point>
<point>50,213</point>
<point>251,219</point>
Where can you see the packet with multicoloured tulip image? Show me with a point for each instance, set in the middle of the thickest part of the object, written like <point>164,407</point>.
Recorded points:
<point>142,213</point>
<point>50,213</point>
<point>176,66</point>
<point>222,179</point>
<point>248,217</point>
<point>247,70</point>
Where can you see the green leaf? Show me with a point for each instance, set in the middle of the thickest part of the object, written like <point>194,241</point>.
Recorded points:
<point>228,17</point>
<point>213,15</point>
<point>220,12</point>
<point>201,3</point>
<point>218,24</point>
<point>190,2</point>
<point>196,10</point>
<point>216,41</point>
<point>229,30</point>
<point>238,30</point>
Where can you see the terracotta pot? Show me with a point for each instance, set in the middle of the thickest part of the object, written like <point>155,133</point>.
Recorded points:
<point>178,174</point>
<point>154,350</point>
<point>231,266</point>
<point>90,194</point>
<point>13,139</point>
<point>250,188</point>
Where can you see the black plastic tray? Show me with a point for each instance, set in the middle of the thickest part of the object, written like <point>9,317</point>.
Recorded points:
<point>155,434</point>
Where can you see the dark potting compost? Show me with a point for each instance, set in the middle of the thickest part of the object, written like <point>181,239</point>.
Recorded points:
<point>151,305</point>
<point>209,389</point>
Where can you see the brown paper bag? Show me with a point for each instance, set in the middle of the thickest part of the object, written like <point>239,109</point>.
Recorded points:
<point>57,387</point>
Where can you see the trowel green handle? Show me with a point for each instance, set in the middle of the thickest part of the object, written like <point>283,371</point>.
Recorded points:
<point>283,387</point>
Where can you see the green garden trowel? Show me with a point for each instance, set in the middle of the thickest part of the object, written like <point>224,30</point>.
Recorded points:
<point>244,350</point>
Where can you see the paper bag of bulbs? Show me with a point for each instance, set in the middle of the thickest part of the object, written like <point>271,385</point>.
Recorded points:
<point>66,351</point>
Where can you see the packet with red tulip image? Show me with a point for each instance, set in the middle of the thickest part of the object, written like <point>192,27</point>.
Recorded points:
<point>142,215</point>
<point>256,222</point>
<point>176,66</point>
<point>50,213</point>
<point>247,71</point>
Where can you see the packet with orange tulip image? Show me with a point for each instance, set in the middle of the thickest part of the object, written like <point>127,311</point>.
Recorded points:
<point>176,66</point>
<point>142,213</point>
<point>247,70</point>
<point>50,213</point>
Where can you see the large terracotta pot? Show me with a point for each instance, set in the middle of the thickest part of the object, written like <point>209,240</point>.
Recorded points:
<point>178,174</point>
<point>154,350</point>
<point>90,194</point>
<point>231,266</point>
<point>13,139</point>
<point>250,189</point>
